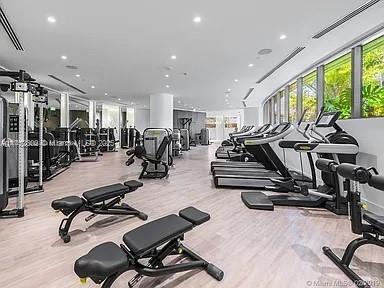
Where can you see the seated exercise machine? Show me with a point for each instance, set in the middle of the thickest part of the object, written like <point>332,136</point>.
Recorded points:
<point>102,201</point>
<point>155,153</point>
<point>338,146</point>
<point>373,231</point>
<point>144,251</point>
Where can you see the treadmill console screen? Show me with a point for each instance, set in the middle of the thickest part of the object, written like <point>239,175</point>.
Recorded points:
<point>328,119</point>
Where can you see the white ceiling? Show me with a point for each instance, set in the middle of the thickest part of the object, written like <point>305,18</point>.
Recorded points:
<point>122,47</point>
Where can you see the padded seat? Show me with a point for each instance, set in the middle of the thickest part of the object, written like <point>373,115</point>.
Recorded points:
<point>375,220</point>
<point>156,233</point>
<point>105,193</point>
<point>133,184</point>
<point>195,216</point>
<point>67,203</point>
<point>102,261</point>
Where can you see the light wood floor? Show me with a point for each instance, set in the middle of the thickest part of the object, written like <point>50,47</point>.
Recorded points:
<point>254,248</point>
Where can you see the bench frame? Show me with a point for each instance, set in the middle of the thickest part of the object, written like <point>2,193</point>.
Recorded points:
<point>156,267</point>
<point>98,208</point>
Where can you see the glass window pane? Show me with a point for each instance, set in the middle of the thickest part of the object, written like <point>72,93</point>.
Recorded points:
<point>275,109</point>
<point>292,102</point>
<point>310,96</point>
<point>282,106</point>
<point>337,94</point>
<point>373,79</point>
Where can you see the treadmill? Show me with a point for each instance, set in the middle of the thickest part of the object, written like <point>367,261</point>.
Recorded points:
<point>260,147</point>
<point>237,159</point>
<point>337,147</point>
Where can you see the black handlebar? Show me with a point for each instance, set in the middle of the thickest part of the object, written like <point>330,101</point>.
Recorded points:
<point>326,165</point>
<point>353,172</point>
<point>377,182</point>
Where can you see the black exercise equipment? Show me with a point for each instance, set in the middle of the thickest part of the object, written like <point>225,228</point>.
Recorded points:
<point>373,232</point>
<point>103,201</point>
<point>152,242</point>
<point>141,153</point>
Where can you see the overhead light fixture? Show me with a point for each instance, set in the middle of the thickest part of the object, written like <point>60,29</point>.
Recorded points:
<point>236,80</point>
<point>173,57</point>
<point>77,75</point>
<point>179,101</point>
<point>119,99</point>
<point>197,19</point>
<point>194,110</point>
<point>166,76</point>
<point>106,94</point>
<point>64,57</point>
<point>132,103</point>
<point>51,19</point>
<point>167,86</point>
<point>250,65</point>
<point>229,90</point>
<point>93,87</point>
<point>282,37</point>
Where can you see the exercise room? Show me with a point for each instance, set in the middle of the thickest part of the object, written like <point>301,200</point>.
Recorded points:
<point>177,144</point>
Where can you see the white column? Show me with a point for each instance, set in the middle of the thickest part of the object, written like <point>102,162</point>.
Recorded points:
<point>161,114</point>
<point>28,103</point>
<point>92,114</point>
<point>142,117</point>
<point>64,110</point>
<point>251,116</point>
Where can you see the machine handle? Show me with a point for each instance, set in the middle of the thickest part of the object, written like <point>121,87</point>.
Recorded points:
<point>326,165</point>
<point>353,172</point>
<point>377,182</point>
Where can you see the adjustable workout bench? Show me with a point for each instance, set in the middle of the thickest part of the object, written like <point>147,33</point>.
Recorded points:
<point>102,200</point>
<point>153,241</point>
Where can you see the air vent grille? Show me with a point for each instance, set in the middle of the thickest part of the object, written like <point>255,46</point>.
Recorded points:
<point>244,104</point>
<point>287,59</point>
<point>67,84</point>
<point>346,18</point>
<point>10,32</point>
<point>248,93</point>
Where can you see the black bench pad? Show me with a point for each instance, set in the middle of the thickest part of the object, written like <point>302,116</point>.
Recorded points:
<point>155,233</point>
<point>102,261</point>
<point>195,216</point>
<point>105,193</point>
<point>133,184</point>
<point>67,203</point>
<point>375,220</point>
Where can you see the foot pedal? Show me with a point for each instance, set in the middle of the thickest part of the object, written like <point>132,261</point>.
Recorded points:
<point>257,200</point>
<point>90,217</point>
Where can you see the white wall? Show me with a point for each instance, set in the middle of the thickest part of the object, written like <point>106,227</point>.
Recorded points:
<point>369,134</point>
<point>141,119</point>
<point>251,116</point>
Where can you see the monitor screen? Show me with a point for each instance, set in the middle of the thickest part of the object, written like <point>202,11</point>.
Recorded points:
<point>328,119</point>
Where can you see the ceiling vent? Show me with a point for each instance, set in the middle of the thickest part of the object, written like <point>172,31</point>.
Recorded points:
<point>346,18</point>
<point>67,84</point>
<point>72,67</point>
<point>9,30</point>
<point>287,59</point>
<point>248,93</point>
<point>244,104</point>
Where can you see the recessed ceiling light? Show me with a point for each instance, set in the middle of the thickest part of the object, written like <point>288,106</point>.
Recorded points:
<point>51,19</point>
<point>229,90</point>
<point>194,110</point>
<point>227,95</point>
<point>173,57</point>
<point>167,86</point>
<point>250,65</point>
<point>119,99</point>
<point>179,101</point>
<point>236,80</point>
<point>282,37</point>
<point>93,87</point>
<point>77,75</point>
<point>64,57</point>
<point>197,19</point>
<point>132,103</point>
<point>106,94</point>
<point>166,76</point>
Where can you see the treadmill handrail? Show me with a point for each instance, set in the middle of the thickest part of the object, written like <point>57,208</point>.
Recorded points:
<point>269,138</point>
<point>240,134</point>
<point>330,148</point>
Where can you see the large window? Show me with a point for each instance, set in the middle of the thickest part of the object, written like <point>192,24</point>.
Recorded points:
<point>309,96</point>
<point>338,92</point>
<point>292,102</point>
<point>373,79</point>
<point>275,120</point>
<point>282,106</point>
